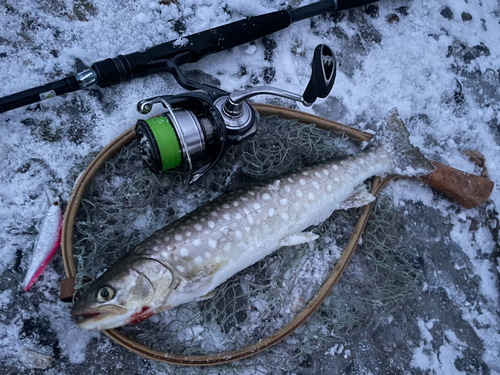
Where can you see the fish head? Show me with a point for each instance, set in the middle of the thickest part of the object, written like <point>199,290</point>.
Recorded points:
<point>130,291</point>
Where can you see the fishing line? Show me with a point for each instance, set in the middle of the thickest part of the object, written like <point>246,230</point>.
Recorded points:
<point>166,142</point>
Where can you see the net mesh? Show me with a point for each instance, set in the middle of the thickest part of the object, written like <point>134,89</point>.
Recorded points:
<point>125,203</point>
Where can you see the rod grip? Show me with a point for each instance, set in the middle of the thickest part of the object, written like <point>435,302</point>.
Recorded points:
<point>190,48</point>
<point>466,189</point>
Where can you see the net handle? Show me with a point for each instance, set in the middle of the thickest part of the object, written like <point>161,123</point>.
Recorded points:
<point>247,351</point>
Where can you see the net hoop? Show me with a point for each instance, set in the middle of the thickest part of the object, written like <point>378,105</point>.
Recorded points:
<point>249,350</point>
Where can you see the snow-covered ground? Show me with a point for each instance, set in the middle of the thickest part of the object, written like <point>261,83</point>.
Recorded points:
<point>437,62</point>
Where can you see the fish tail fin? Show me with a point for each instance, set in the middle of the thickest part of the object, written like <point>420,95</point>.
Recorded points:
<point>394,138</point>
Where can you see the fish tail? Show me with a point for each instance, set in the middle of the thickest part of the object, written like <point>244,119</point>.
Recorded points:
<point>394,138</point>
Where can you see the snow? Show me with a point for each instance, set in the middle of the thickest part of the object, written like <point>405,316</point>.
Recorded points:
<point>417,65</point>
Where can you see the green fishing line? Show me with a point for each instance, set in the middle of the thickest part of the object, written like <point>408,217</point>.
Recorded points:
<point>167,141</point>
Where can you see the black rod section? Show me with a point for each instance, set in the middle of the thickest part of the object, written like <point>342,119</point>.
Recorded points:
<point>321,7</point>
<point>63,86</point>
<point>189,49</point>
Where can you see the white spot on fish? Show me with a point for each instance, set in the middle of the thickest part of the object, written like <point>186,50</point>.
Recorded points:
<point>317,174</point>
<point>198,227</point>
<point>197,242</point>
<point>165,254</point>
<point>250,219</point>
<point>361,161</point>
<point>180,268</point>
<point>246,211</point>
<point>226,216</point>
<point>184,252</point>
<point>335,167</point>
<point>247,229</point>
<point>302,182</point>
<point>212,243</point>
<point>336,179</point>
<point>198,260</point>
<point>238,234</point>
<point>207,255</point>
<point>289,179</point>
<point>211,224</point>
<point>244,199</point>
<point>329,187</point>
<point>284,201</point>
<point>266,196</point>
<point>167,238</point>
<point>238,216</point>
<point>257,206</point>
<point>316,184</point>
<point>252,193</point>
<point>236,203</point>
<point>271,212</point>
<point>227,246</point>
<point>311,196</point>
<point>213,213</point>
<point>178,237</point>
<point>155,248</point>
<point>326,172</point>
<point>299,193</point>
<point>188,234</point>
<point>226,206</point>
<point>305,173</point>
<point>284,216</point>
<point>288,188</point>
<point>297,206</point>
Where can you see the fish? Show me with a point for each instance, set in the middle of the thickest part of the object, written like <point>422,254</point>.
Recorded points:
<point>189,258</point>
<point>47,242</point>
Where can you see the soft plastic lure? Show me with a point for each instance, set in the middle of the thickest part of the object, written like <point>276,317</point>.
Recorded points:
<point>47,242</point>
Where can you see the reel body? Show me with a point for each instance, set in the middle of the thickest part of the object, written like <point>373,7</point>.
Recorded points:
<point>198,126</point>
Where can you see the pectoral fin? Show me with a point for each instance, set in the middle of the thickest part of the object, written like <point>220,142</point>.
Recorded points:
<point>299,238</point>
<point>360,197</point>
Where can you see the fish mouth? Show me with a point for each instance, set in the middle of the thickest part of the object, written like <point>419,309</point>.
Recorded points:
<point>105,317</point>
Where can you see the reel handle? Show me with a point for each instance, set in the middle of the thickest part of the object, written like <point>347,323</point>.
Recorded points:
<point>324,71</point>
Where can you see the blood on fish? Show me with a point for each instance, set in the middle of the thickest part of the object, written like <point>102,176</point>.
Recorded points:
<point>140,316</point>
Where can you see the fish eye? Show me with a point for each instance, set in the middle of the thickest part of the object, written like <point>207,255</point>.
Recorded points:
<point>104,294</point>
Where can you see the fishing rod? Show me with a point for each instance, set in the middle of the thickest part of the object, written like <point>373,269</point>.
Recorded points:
<point>167,57</point>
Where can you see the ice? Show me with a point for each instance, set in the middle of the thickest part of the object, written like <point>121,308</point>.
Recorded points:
<point>417,65</point>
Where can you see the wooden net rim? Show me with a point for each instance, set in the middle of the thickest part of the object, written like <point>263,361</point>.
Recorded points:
<point>249,350</point>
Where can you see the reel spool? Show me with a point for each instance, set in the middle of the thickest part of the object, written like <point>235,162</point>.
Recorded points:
<point>188,135</point>
<point>194,132</point>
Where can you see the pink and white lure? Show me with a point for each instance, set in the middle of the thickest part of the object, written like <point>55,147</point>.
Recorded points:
<point>47,242</point>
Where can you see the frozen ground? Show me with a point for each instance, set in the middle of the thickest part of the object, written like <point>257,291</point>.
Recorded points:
<point>438,63</point>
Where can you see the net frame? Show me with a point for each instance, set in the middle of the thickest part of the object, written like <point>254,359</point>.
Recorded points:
<point>249,350</point>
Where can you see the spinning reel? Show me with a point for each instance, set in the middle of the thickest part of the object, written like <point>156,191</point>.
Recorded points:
<point>198,126</point>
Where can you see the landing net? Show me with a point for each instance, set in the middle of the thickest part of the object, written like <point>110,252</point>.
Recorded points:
<point>126,203</point>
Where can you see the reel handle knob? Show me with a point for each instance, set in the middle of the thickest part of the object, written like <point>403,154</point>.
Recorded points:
<point>324,70</point>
